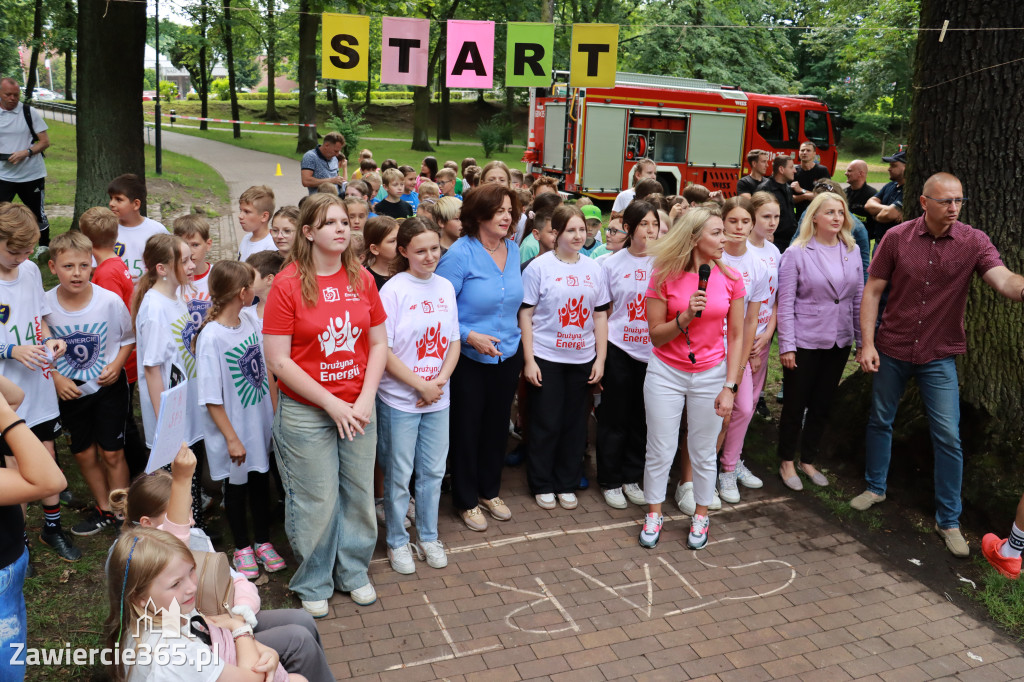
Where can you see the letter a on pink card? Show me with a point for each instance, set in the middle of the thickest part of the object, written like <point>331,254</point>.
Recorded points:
<point>404,46</point>
<point>470,54</point>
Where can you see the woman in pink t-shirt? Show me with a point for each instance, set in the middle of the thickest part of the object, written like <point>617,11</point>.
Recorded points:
<point>325,341</point>
<point>689,366</point>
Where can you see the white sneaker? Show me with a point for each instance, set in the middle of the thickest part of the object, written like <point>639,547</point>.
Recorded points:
<point>635,494</point>
<point>364,596</point>
<point>716,501</point>
<point>567,500</point>
<point>316,608</point>
<point>411,514</point>
<point>615,498</point>
<point>684,498</point>
<point>746,478</point>
<point>436,558</point>
<point>401,559</point>
<point>546,500</point>
<point>727,487</point>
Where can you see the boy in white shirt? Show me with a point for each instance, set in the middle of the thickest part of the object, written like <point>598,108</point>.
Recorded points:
<point>90,379</point>
<point>127,192</point>
<point>195,230</point>
<point>255,208</point>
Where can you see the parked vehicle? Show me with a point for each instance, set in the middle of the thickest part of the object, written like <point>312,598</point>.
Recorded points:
<point>696,131</point>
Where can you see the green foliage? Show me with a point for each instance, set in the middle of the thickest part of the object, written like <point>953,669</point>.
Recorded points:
<point>868,129</point>
<point>351,124</point>
<point>149,79</point>
<point>168,90</point>
<point>221,89</point>
<point>495,134</point>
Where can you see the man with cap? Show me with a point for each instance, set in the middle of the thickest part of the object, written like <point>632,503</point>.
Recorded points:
<point>885,209</point>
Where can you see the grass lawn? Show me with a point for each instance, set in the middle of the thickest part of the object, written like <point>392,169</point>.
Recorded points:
<point>182,172</point>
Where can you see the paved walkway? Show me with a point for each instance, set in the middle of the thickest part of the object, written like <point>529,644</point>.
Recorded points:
<point>779,593</point>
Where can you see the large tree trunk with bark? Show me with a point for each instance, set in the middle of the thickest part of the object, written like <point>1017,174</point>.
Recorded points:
<point>271,113</point>
<point>109,130</point>
<point>961,105</point>
<point>229,56</point>
<point>204,74</point>
<point>309,24</point>
<point>421,119</point>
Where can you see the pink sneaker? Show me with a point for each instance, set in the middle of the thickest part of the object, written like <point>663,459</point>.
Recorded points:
<point>268,556</point>
<point>245,563</point>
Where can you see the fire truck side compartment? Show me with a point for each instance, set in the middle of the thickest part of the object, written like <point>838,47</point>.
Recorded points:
<point>605,140</point>
<point>554,135</point>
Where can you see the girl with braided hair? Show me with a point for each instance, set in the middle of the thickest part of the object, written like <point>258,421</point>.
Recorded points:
<point>235,403</point>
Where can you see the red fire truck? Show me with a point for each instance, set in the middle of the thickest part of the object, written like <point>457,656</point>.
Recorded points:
<point>696,131</point>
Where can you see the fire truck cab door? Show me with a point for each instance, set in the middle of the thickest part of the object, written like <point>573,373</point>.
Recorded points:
<point>603,148</point>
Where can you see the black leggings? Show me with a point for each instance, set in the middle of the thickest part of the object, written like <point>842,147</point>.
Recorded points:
<point>257,490</point>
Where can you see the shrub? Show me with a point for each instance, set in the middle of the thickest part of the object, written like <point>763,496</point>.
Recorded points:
<point>495,134</point>
<point>168,90</point>
<point>350,124</point>
<point>221,89</point>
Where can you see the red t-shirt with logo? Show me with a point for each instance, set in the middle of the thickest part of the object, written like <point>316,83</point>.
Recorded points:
<point>330,341</point>
<point>112,274</point>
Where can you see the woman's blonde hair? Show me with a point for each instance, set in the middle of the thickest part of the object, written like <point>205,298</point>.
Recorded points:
<point>807,229</point>
<point>673,253</point>
<point>136,560</point>
<point>313,215</point>
<point>148,495</point>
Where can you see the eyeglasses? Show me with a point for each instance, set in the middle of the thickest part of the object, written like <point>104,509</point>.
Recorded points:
<point>614,231</point>
<point>946,203</point>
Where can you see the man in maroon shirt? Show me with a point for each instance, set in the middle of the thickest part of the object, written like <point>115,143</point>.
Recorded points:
<point>929,262</point>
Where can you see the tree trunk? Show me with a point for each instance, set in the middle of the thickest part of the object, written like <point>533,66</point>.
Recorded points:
<point>420,118</point>
<point>204,73</point>
<point>271,113</point>
<point>110,109</point>
<point>444,123</point>
<point>37,40</point>
<point>309,24</point>
<point>332,94</point>
<point>69,52</point>
<point>229,55</point>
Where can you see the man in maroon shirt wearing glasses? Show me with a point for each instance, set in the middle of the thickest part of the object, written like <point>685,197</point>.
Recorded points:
<point>929,261</point>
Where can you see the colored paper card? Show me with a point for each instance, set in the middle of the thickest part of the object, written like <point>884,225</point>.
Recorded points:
<point>470,54</point>
<point>170,427</point>
<point>404,47</point>
<point>345,47</point>
<point>594,57</point>
<point>528,55</point>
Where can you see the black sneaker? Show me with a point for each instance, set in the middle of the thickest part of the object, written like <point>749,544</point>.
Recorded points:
<point>93,523</point>
<point>60,543</point>
<point>762,409</point>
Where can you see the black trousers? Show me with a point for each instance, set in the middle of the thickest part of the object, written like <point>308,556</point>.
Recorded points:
<point>481,404</point>
<point>810,386</point>
<point>558,427</point>
<point>253,497</point>
<point>32,194</point>
<point>621,421</point>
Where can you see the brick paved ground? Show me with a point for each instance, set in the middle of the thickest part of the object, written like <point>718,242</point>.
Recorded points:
<point>779,593</point>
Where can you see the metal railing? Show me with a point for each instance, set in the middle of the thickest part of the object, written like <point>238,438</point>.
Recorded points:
<point>66,112</point>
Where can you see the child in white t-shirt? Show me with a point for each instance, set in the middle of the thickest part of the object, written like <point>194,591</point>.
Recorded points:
<point>255,207</point>
<point>90,380</point>
<point>236,409</point>
<point>27,350</point>
<point>195,231</point>
<point>413,400</point>
<point>766,220</point>
<point>564,321</point>
<point>127,192</point>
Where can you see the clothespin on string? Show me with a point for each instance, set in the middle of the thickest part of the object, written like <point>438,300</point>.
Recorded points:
<point>942,35</point>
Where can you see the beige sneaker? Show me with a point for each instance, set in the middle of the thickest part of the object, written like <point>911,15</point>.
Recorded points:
<point>955,542</point>
<point>474,519</point>
<point>497,508</point>
<point>866,500</point>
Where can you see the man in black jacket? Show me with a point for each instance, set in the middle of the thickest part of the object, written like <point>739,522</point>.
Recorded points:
<point>778,184</point>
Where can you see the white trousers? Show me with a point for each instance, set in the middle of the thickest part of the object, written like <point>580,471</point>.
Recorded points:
<point>666,392</point>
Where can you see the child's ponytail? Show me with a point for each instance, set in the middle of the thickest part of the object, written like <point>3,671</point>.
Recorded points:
<point>228,278</point>
<point>161,249</point>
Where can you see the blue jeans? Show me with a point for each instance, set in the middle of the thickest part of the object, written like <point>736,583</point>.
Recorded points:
<point>13,626</point>
<point>941,395</point>
<point>408,440</point>
<point>328,482</point>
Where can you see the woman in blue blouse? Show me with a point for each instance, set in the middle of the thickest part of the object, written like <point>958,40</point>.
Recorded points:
<point>483,266</point>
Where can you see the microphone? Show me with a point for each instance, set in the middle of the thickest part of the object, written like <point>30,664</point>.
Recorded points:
<point>702,284</point>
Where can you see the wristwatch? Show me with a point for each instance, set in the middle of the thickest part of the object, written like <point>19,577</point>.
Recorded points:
<point>243,631</point>
<point>732,387</point>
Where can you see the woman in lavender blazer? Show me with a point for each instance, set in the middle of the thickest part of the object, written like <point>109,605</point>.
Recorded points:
<point>820,286</point>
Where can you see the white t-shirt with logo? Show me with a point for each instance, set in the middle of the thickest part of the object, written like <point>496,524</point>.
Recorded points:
<point>22,309</point>
<point>94,335</point>
<point>626,279</point>
<point>565,296</point>
<point>755,279</point>
<point>247,246</point>
<point>771,257</point>
<point>422,321</point>
<point>624,199</point>
<point>232,372</point>
<point>131,242</point>
<point>196,295</point>
<point>163,334</point>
